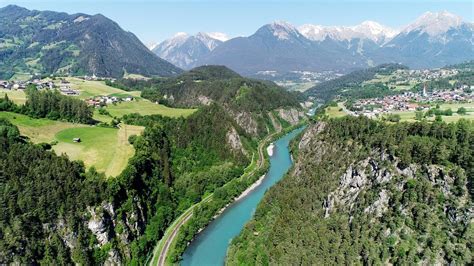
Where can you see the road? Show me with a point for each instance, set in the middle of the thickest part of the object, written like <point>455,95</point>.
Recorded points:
<point>164,244</point>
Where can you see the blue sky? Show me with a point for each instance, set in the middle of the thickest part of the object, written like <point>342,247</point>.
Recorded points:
<point>155,21</point>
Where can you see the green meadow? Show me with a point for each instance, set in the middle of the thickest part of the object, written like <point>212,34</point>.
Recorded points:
<point>106,149</point>
<point>17,96</point>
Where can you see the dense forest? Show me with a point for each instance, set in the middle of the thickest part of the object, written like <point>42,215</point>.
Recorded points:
<point>52,105</point>
<point>42,201</point>
<point>369,192</point>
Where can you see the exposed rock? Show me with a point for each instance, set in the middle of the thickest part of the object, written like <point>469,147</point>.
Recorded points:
<point>113,258</point>
<point>310,133</point>
<point>245,121</point>
<point>98,224</point>
<point>380,205</point>
<point>233,139</point>
<point>204,100</point>
<point>292,116</point>
<point>354,180</point>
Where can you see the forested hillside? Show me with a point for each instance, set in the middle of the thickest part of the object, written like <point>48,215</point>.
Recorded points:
<point>43,199</point>
<point>55,212</point>
<point>257,106</point>
<point>47,42</point>
<point>368,192</point>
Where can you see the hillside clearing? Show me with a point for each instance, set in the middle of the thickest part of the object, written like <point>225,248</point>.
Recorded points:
<point>107,149</point>
<point>38,130</point>
<point>145,107</point>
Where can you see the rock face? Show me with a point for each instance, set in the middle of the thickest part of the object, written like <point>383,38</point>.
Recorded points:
<point>292,116</point>
<point>245,120</point>
<point>233,139</point>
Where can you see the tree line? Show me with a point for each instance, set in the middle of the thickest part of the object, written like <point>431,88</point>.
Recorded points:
<point>50,104</point>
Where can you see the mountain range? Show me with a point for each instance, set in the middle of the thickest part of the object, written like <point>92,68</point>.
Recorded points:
<point>49,42</point>
<point>433,40</point>
<point>183,50</point>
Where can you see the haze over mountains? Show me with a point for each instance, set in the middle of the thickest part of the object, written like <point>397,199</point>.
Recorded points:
<point>433,40</point>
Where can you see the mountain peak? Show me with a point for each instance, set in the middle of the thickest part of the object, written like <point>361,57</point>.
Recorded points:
<point>218,36</point>
<point>206,38</point>
<point>180,35</point>
<point>374,30</point>
<point>282,30</point>
<point>435,23</point>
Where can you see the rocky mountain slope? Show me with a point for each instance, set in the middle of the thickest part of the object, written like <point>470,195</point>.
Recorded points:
<point>371,193</point>
<point>47,42</point>
<point>184,50</point>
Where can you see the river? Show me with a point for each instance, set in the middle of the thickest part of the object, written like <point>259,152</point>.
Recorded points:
<point>210,246</point>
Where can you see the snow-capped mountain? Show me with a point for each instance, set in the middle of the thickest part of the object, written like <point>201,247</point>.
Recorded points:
<point>432,40</point>
<point>366,30</point>
<point>281,30</point>
<point>280,46</point>
<point>184,50</point>
<point>435,23</point>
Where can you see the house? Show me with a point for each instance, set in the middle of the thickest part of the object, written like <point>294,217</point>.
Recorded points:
<point>77,140</point>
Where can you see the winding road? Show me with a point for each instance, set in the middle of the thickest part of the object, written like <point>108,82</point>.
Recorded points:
<point>162,249</point>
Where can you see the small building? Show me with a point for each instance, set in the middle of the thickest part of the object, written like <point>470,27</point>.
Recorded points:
<point>77,140</point>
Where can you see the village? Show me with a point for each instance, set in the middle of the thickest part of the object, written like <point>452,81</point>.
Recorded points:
<point>410,101</point>
<point>64,87</point>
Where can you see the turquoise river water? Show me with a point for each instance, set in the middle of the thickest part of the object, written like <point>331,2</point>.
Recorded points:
<point>210,246</point>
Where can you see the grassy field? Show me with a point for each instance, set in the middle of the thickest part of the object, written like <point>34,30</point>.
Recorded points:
<point>336,111</point>
<point>90,88</point>
<point>139,105</point>
<point>38,130</point>
<point>17,96</point>
<point>107,149</point>
<point>145,107</point>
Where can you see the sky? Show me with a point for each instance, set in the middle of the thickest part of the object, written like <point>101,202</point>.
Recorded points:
<point>154,21</point>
